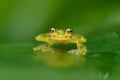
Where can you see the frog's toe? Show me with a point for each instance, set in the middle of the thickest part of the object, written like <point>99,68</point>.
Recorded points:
<point>84,53</point>
<point>44,48</point>
<point>47,50</point>
<point>36,49</point>
<point>77,52</point>
<point>74,51</point>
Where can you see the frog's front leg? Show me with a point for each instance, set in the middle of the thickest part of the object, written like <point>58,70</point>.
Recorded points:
<point>44,48</point>
<point>49,44</point>
<point>49,48</point>
<point>82,48</point>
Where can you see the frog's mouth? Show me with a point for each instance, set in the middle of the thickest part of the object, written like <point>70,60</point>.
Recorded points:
<point>60,37</point>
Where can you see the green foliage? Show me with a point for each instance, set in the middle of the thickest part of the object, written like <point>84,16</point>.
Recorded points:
<point>22,20</point>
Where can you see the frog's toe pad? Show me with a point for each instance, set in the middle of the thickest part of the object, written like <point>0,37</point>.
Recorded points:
<point>77,52</point>
<point>43,48</point>
<point>74,51</point>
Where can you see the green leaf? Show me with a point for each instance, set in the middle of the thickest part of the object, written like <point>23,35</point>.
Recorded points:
<point>97,20</point>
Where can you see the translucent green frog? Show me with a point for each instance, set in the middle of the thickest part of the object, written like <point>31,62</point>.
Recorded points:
<point>59,36</point>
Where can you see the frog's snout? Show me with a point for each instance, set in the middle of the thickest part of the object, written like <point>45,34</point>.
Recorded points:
<point>61,33</point>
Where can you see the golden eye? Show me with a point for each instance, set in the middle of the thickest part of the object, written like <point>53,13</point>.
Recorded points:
<point>52,30</point>
<point>69,31</point>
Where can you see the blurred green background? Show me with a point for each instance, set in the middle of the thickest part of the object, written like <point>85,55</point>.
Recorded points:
<point>22,20</point>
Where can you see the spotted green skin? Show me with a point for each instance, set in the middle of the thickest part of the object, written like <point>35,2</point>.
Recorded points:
<point>62,37</point>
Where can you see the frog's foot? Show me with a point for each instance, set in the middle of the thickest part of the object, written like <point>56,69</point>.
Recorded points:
<point>77,52</point>
<point>36,49</point>
<point>74,51</point>
<point>43,48</point>
<point>84,51</point>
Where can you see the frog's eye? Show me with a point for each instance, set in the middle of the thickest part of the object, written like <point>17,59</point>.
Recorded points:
<point>52,30</point>
<point>69,31</point>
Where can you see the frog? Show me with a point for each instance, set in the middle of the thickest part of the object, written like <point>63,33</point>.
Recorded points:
<point>60,36</point>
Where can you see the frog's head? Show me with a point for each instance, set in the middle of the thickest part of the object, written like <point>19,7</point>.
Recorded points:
<point>59,34</point>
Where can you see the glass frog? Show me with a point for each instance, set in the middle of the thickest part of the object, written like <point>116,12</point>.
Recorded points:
<point>59,36</point>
